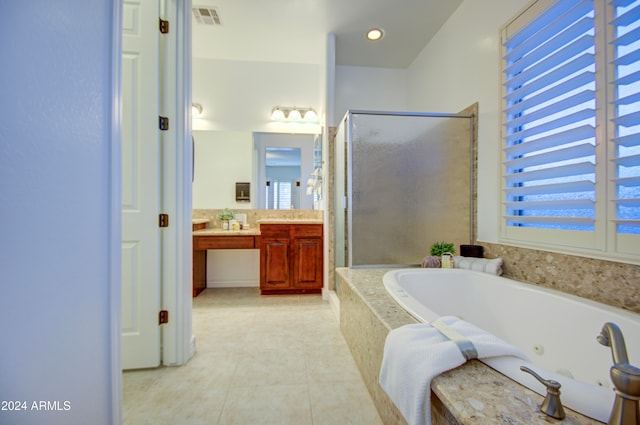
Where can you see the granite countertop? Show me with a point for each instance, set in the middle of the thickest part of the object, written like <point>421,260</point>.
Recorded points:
<point>475,393</point>
<point>199,220</point>
<point>253,231</point>
<point>222,232</point>
<point>290,220</point>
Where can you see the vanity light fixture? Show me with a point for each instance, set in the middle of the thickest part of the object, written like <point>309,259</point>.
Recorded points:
<point>196,109</point>
<point>294,114</point>
<point>374,34</point>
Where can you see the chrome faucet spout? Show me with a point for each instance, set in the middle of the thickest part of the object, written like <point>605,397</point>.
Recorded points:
<point>611,336</point>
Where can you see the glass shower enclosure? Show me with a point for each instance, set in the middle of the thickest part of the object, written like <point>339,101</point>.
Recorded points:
<point>402,182</point>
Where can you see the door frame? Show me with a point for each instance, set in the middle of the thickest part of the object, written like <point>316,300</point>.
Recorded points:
<point>178,345</point>
<point>114,157</point>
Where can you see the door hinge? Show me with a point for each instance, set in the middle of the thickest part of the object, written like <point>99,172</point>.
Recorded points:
<point>163,123</point>
<point>164,26</point>
<point>163,317</point>
<point>163,220</point>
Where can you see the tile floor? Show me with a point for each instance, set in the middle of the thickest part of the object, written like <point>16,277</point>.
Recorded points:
<point>270,360</point>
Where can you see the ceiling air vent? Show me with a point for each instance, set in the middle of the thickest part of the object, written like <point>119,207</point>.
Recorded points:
<point>206,15</point>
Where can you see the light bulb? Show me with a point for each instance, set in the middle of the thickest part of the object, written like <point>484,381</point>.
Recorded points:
<point>374,34</point>
<point>294,115</point>
<point>277,114</point>
<point>310,115</point>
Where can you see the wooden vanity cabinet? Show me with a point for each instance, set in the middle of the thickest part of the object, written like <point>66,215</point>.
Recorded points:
<point>291,258</point>
<point>199,271</point>
<point>274,257</point>
<point>204,242</point>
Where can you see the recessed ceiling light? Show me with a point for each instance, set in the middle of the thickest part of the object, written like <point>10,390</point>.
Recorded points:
<point>374,34</point>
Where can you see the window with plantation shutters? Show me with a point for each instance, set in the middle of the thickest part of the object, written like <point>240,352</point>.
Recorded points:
<point>571,126</point>
<point>626,119</point>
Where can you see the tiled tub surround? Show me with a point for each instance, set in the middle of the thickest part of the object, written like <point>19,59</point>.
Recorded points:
<point>608,282</point>
<point>472,394</point>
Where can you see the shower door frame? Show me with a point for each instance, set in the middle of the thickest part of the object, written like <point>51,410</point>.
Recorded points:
<point>346,212</point>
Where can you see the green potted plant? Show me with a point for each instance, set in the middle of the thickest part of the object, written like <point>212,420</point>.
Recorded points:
<point>439,248</point>
<point>434,260</point>
<point>225,215</point>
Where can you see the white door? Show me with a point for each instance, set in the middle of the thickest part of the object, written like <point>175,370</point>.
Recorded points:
<point>141,278</point>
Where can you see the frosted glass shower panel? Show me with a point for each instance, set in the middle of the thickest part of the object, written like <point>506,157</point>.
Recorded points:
<point>410,186</point>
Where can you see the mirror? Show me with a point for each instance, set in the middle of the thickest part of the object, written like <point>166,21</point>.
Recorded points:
<point>284,163</point>
<point>224,158</point>
<point>282,178</point>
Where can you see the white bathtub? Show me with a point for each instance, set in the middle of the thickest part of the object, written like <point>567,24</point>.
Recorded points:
<point>557,331</point>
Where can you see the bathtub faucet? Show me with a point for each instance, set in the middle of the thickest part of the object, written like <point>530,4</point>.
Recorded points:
<point>611,336</point>
<point>551,406</point>
<point>625,378</point>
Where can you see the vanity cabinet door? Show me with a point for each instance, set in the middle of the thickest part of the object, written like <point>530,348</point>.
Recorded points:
<point>274,264</point>
<point>307,263</point>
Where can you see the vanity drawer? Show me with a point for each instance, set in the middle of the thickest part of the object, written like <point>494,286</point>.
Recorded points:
<point>289,230</point>
<point>306,230</point>
<point>274,230</point>
<point>224,242</point>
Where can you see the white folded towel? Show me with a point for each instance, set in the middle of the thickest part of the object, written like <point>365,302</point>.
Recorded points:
<point>415,354</point>
<point>493,266</point>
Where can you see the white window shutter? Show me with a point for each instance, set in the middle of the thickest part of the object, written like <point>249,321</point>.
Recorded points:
<point>550,120</point>
<point>626,115</point>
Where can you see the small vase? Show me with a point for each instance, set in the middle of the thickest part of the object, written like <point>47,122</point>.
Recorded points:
<point>225,224</point>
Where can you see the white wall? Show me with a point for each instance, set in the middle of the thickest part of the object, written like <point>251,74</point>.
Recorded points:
<point>460,66</point>
<point>239,96</point>
<point>60,230</point>
<point>358,87</point>
<point>222,158</point>
<point>231,268</point>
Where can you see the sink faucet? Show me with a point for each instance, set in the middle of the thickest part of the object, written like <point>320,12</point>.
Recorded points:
<point>625,378</point>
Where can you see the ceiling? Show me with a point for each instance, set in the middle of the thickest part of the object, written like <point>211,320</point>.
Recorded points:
<point>295,31</point>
